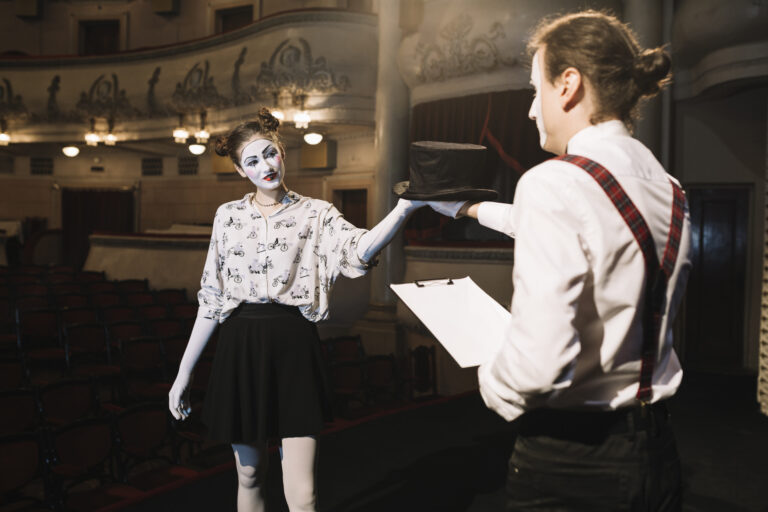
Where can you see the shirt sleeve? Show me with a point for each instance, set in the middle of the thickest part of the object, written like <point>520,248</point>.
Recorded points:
<point>211,294</point>
<point>538,354</point>
<point>337,242</point>
<point>498,216</point>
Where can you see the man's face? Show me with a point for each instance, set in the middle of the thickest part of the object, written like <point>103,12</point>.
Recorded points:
<point>544,101</point>
<point>260,162</point>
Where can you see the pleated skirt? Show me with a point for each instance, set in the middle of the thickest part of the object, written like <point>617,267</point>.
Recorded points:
<point>268,379</point>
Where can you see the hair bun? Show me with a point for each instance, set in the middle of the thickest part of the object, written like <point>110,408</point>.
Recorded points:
<point>651,70</point>
<point>268,122</point>
<point>220,146</point>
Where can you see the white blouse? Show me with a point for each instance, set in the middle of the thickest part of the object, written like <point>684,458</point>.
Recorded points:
<point>292,257</point>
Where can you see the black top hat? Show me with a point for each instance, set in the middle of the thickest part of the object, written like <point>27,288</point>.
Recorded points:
<point>441,171</point>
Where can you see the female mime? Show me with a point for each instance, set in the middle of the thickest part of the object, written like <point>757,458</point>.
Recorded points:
<point>273,258</point>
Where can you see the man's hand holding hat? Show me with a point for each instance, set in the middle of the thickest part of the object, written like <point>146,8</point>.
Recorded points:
<point>448,208</point>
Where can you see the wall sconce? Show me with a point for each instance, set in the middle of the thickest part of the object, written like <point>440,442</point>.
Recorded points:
<point>110,139</point>
<point>202,135</point>
<point>313,138</point>
<point>302,119</point>
<point>180,134</point>
<point>70,151</point>
<point>92,138</point>
<point>5,139</point>
<point>275,110</point>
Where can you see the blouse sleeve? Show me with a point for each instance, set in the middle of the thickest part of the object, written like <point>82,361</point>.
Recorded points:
<point>211,294</point>
<point>337,243</point>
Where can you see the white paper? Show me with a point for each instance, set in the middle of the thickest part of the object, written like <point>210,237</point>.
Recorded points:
<point>468,322</point>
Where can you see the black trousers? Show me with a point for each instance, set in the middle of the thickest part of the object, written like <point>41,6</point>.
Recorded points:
<point>622,460</point>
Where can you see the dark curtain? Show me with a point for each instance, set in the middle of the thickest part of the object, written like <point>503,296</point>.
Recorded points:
<point>497,120</point>
<point>84,211</point>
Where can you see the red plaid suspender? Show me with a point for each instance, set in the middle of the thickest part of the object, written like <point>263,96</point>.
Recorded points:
<point>656,282</point>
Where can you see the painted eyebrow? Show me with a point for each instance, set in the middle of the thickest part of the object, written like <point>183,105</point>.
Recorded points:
<point>267,149</point>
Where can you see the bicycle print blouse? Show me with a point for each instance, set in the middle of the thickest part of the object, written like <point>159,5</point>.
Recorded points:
<point>292,257</point>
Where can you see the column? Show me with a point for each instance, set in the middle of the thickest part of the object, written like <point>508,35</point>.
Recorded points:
<point>379,328</point>
<point>646,19</point>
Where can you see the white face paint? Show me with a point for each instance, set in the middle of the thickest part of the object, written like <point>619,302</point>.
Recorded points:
<point>535,113</point>
<point>261,162</point>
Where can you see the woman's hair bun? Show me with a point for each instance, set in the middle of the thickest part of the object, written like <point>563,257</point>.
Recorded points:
<point>268,122</point>
<point>220,146</point>
<point>651,70</point>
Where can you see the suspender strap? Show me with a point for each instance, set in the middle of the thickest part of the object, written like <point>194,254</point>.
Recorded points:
<point>657,274</point>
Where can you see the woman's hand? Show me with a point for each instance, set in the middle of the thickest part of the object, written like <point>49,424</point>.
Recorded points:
<point>178,397</point>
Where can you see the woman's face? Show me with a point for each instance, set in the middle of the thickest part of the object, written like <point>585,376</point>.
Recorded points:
<point>260,162</point>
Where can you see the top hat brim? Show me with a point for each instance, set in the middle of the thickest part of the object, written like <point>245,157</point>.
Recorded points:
<point>477,194</point>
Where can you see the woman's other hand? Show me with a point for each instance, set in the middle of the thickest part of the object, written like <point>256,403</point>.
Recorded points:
<point>178,398</point>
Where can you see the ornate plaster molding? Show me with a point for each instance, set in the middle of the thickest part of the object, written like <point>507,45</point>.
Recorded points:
<point>457,52</point>
<point>292,68</point>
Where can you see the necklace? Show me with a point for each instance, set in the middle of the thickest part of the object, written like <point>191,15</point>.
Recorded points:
<point>268,204</point>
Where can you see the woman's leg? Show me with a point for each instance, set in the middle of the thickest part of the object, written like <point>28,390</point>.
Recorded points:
<point>299,456</point>
<point>251,462</point>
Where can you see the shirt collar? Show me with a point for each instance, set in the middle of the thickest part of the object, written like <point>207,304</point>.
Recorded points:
<point>611,128</point>
<point>289,198</point>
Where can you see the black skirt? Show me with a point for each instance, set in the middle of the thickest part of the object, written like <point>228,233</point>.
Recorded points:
<point>267,379</point>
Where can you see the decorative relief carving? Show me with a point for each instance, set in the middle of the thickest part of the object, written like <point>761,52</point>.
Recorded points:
<point>762,380</point>
<point>197,92</point>
<point>292,68</point>
<point>11,105</point>
<point>154,108</point>
<point>458,54</point>
<point>239,96</point>
<point>105,99</point>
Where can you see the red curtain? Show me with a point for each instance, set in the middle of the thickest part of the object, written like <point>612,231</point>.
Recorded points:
<point>497,120</point>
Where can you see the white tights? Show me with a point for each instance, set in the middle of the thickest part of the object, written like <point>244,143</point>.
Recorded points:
<point>298,460</point>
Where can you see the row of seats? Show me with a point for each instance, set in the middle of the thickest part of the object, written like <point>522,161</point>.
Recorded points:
<point>363,383</point>
<point>92,462</point>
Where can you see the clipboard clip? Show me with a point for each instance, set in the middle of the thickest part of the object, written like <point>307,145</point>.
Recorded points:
<point>432,282</point>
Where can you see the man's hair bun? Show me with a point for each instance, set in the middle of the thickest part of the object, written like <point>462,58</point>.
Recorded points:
<point>651,71</point>
<point>268,122</point>
<point>220,146</point>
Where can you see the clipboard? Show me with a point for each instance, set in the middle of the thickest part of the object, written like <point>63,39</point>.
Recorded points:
<point>468,322</point>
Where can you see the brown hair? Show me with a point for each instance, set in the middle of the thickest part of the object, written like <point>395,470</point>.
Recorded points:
<point>265,125</point>
<point>606,53</point>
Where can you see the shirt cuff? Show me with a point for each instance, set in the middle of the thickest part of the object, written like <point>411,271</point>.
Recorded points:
<point>352,260</point>
<point>209,313</point>
<point>497,216</point>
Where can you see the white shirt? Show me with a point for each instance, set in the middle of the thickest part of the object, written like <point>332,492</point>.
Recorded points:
<point>575,333</point>
<point>292,257</point>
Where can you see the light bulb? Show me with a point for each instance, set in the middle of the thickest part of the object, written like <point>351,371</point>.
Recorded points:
<point>196,149</point>
<point>180,135</point>
<point>92,139</point>
<point>202,136</point>
<point>4,139</point>
<point>110,139</point>
<point>313,138</point>
<point>70,151</point>
<point>302,119</point>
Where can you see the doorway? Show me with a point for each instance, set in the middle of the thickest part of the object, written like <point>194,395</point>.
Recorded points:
<point>84,211</point>
<point>715,298</point>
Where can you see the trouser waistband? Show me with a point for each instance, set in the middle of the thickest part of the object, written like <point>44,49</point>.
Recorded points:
<point>594,426</point>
